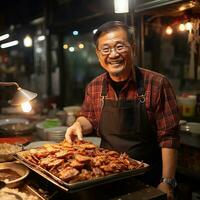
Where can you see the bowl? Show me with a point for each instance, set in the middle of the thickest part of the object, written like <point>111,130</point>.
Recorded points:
<point>56,134</point>
<point>13,121</point>
<point>51,122</point>
<point>71,114</point>
<point>72,109</point>
<point>40,131</point>
<point>7,151</point>
<point>15,126</point>
<point>14,168</point>
<point>43,132</point>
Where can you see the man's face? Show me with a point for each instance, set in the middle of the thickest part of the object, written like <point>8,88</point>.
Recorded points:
<point>115,54</point>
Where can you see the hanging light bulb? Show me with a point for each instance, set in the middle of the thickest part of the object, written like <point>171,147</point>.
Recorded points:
<point>81,46</point>
<point>181,27</point>
<point>169,30</point>
<point>28,41</point>
<point>188,26</point>
<point>121,6</point>
<point>26,107</point>
<point>65,46</point>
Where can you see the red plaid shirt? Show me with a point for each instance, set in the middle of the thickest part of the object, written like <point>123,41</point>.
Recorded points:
<point>161,104</point>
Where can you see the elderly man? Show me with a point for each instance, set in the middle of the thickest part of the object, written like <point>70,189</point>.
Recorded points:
<point>132,109</point>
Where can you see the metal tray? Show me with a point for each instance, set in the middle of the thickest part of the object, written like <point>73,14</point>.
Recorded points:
<point>73,187</point>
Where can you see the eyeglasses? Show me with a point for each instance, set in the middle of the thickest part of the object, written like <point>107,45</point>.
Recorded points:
<point>119,48</point>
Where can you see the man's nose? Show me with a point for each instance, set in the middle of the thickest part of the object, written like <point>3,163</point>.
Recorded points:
<point>113,52</point>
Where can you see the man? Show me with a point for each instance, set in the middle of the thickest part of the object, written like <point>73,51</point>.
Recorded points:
<point>132,109</point>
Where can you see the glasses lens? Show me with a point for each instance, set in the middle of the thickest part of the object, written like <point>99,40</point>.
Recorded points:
<point>105,50</point>
<point>120,47</point>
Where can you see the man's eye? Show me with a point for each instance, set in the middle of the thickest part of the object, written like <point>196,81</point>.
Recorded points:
<point>105,50</point>
<point>120,46</point>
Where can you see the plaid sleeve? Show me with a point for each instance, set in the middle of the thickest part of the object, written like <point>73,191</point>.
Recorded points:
<point>87,109</point>
<point>167,116</point>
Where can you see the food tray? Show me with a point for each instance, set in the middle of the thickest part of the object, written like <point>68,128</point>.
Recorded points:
<point>72,187</point>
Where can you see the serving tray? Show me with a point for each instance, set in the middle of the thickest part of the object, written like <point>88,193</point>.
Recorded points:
<point>81,185</point>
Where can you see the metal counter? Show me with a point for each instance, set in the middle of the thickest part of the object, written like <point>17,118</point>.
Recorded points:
<point>190,139</point>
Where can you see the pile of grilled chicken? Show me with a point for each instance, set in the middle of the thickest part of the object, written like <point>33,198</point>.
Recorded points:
<point>79,161</point>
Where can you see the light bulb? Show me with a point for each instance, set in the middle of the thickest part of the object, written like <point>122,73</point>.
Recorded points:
<point>169,30</point>
<point>181,27</point>
<point>26,107</point>
<point>188,26</point>
<point>121,6</point>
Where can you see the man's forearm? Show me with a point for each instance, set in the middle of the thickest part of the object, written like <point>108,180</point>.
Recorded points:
<point>85,125</point>
<point>169,160</point>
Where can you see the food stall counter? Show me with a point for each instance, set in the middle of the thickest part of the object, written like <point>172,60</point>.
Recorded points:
<point>127,189</point>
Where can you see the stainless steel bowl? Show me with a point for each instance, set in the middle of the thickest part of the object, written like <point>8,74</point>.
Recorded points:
<point>15,126</point>
<point>7,151</point>
<point>20,169</point>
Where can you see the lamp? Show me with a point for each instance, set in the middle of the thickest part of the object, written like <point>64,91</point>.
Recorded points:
<point>121,6</point>
<point>21,96</point>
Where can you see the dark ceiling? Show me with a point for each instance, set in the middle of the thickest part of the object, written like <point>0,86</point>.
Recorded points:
<point>19,11</point>
<point>60,11</point>
<point>69,13</point>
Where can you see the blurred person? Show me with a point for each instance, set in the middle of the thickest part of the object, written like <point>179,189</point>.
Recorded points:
<point>7,74</point>
<point>9,71</point>
<point>132,109</point>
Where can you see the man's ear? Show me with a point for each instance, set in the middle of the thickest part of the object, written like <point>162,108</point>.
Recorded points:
<point>133,46</point>
<point>97,52</point>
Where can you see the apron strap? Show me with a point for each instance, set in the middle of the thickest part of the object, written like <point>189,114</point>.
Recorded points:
<point>139,82</point>
<point>140,85</point>
<point>104,89</point>
<point>103,93</point>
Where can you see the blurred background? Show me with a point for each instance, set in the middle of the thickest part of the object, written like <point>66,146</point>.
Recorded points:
<point>53,53</point>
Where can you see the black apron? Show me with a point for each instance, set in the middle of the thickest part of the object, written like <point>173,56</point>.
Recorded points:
<point>124,127</point>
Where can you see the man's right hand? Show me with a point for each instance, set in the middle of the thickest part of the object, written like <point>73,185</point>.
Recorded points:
<point>74,132</point>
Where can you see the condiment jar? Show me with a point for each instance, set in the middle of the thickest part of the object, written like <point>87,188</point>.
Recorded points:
<point>189,105</point>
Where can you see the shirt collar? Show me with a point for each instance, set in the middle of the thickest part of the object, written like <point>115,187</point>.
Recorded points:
<point>131,78</point>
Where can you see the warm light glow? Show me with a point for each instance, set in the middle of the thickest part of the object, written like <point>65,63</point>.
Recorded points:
<point>181,27</point>
<point>9,44</point>
<point>94,31</point>
<point>169,30</point>
<point>4,37</point>
<point>39,50</point>
<point>75,32</point>
<point>191,4</point>
<point>28,41</point>
<point>26,107</point>
<point>41,38</point>
<point>65,46</point>
<point>182,8</point>
<point>188,26</point>
<point>71,49</point>
<point>81,46</point>
<point>121,6</point>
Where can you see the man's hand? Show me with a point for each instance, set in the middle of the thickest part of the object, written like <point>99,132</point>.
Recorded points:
<point>74,132</point>
<point>166,188</point>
